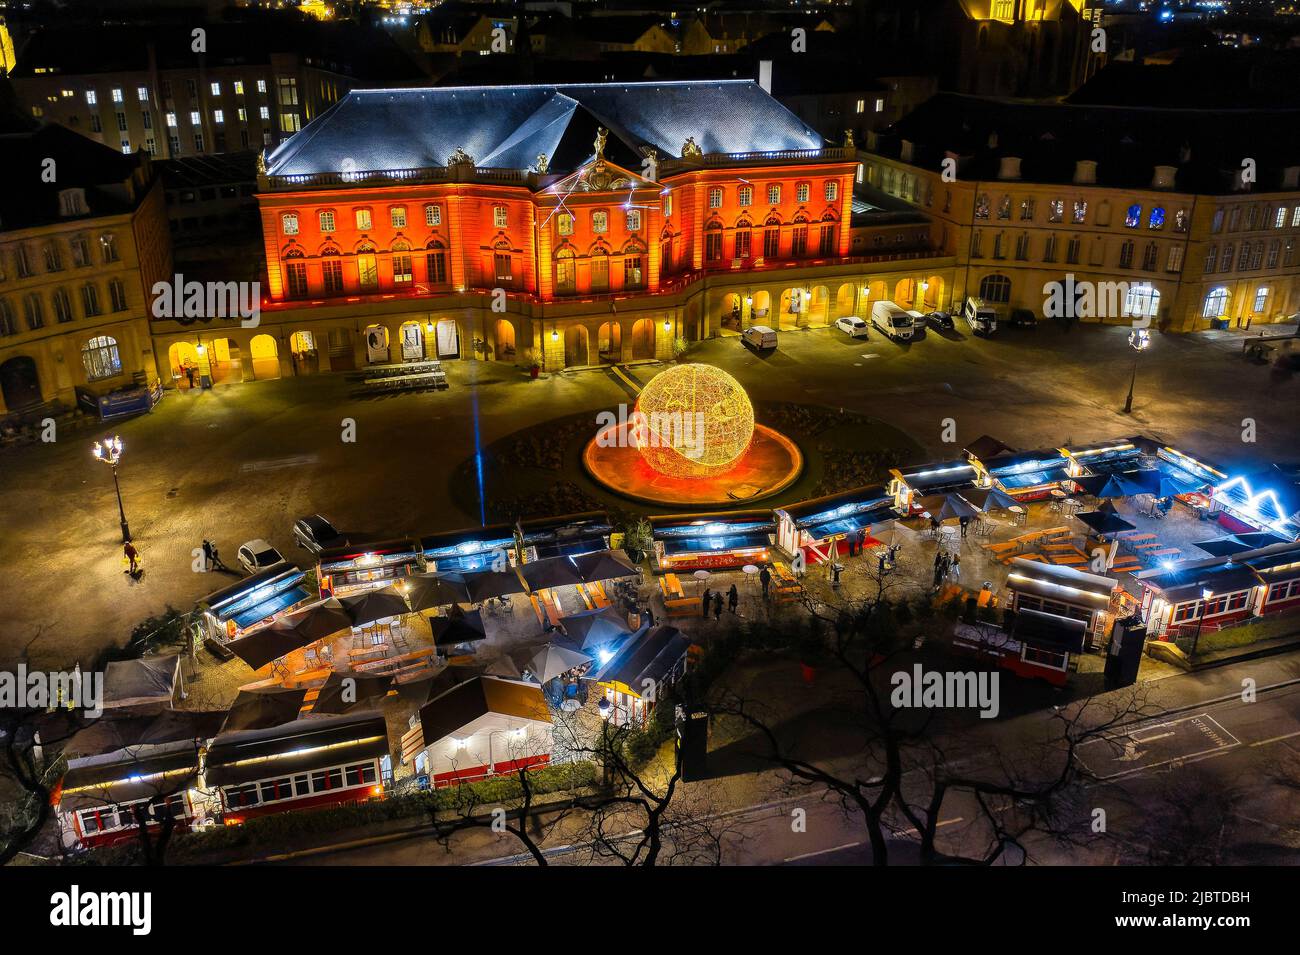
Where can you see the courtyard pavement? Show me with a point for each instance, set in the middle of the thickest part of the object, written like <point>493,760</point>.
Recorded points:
<point>242,461</point>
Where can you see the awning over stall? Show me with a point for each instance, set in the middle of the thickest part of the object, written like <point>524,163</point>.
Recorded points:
<point>258,597</point>
<point>148,682</point>
<point>297,747</point>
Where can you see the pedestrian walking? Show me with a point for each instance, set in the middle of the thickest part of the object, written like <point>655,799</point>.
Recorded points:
<point>207,554</point>
<point>717,605</point>
<point>955,569</point>
<point>938,576</point>
<point>132,558</point>
<point>704,603</point>
<point>965,521</point>
<point>765,578</point>
<point>733,598</point>
<point>216,558</point>
<point>189,375</point>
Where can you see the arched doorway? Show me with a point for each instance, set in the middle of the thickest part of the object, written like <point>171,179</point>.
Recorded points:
<point>844,296</point>
<point>905,292</point>
<point>733,310</point>
<point>643,340</point>
<point>609,342</point>
<point>575,347</point>
<point>875,291</point>
<point>377,344</point>
<point>19,383</point>
<point>180,356</point>
<point>302,348</point>
<point>505,340</point>
<point>411,335</point>
<point>819,309</point>
<point>220,359</point>
<point>762,308</point>
<point>266,358</point>
<point>933,295</point>
<point>448,338</point>
<point>792,307</point>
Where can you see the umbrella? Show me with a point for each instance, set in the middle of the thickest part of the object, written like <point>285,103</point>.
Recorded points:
<point>552,660</point>
<point>463,628</point>
<point>448,678</point>
<point>268,706</point>
<point>503,666</point>
<point>1223,546</point>
<point>595,627</point>
<point>315,622</point>
<point>604,565</point>
<point>486,584</point>
<point>549,572</point>
<point>426,591</point>
<point>1101,485</point>
<point>988,498</point>
<point>342,692</point>
<point>374,605</point>
<point>1103,522</point>
<point>955,508</point>
<point>260,648</point>
<point>1108,507</point>
<point>1167,486</point>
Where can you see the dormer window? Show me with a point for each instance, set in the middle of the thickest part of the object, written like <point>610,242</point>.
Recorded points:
<point>72,202</point>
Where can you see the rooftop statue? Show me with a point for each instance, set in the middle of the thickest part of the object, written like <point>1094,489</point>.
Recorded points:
<point>691,149</point>
<point>601,134</point>
<point>460,157</point>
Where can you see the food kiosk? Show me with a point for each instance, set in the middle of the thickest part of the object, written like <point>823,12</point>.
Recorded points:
<point>712,541</point>
<point>822,527</point>
<point>253,602</point>
<point>909,484</point>
<point>1025,475</point>
<point>353,568</point>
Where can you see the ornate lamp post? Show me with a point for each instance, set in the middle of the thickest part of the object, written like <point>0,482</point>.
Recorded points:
<point>1140,339</point>
<point>110,452</point>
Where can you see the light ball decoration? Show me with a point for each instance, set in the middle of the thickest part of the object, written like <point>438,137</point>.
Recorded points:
<point>693,421</point>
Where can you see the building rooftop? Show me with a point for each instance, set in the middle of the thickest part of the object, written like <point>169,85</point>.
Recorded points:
<point>1206,146</point>
<point>509,126</point>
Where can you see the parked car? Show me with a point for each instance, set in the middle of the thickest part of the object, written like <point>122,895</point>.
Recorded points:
<point>759,337</point>
<point>1022,318</point>
<point>853,326</point>
<point>891,321</point>
<point>981,318</point>
<point>258,555</point>
<point>919,323</point>
<point>940,320</point>
<point>315,533</point>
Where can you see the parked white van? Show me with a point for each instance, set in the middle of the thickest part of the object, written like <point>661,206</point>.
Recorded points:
<point>982,318</point>
<point>759,337</point>
<point>892,321</point>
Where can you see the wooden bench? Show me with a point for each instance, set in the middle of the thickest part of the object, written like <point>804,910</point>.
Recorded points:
<point>683,606</point>
<point>671,587</point>
<point>1163,552</point>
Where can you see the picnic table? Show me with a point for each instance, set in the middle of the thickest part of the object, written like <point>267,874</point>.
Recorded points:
<point>390,664</point>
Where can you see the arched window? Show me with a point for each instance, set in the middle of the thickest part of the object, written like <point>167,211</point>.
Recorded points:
<point>599,259</point>
<point>295,274</point>
<point>713,242</point>
<point>995,288</point>
<point>331,267</point>
<point>367,266</point>
<point>566,273</point>
<point>1142,301</point>
<point>771,238</point>
<point>402,262</point>
<point>435,259</point>
<point>744,239</point>
<point>101,359</point>
<point>1216,303</point>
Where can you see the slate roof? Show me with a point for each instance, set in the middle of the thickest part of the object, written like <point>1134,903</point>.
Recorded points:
<point>458,707</point>
<point>507,126</point>
<point>27,200</point>
<point>1126,142</point>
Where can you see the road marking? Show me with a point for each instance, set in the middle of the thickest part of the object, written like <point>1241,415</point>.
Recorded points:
<point>1223,740</point>
<point>630,383</point>
<point>1276,739</point>
<point>937,825</point>
<point>821,852</point>
<point>279,464</point>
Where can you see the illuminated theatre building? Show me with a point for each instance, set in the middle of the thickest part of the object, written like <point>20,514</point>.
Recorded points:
<point>614,219</point>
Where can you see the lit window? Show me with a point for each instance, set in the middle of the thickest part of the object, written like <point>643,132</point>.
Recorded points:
<point>564,224</point>
<point>1157,218</point>
<point>832,191</point>
<point>218,116</point>
<point>668,204</point>
<point>239,87</point>
<point>633,220</point>
<point>142,93</point>
<point>1295,218</point>
<point>397,216</point>
<point>1133,217</point>
<point>715,197</point>
<point>264,112</point>
<point>289,223</point>
<point>500,216</point>
<point>600,222</point>
<point>880,104</point>
<point>861,106</point>
<point>1280,220</point>
<point>243,116</point>
<point>1216,303</point>
<point>363,218</point>
<point>1261,298</point>
<point>774,194</point>
<point>117,94</point>
<point>327,221</point>
<point>216,89</point>
<point>171,119</point>
<point>801,192</point>
<point>261,86</point>
<point>1080,211</point>
<point>100,358</point>
<point>745,196</point>
<point>91,99</point>
<point>432,215</point>
<point>194,117</point>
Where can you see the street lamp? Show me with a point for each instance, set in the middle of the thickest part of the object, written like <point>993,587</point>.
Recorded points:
<point>1140,340</point>
<point>1206,594</point>
<point>110,452</point>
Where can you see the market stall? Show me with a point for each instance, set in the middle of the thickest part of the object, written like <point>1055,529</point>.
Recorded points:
<point>474,548</point>
<point>241,607</point>
<point>1267,500</point>
<point>827,526</point>
<point>1067,592</point>
<point>917,481</point>
<point>1198,596</point>
<point>353,568</point>
<point>1025,475</point>
<point>712,541</point>
<point>567,536</point>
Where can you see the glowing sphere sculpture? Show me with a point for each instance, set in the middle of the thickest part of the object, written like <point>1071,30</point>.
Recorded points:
<point>693,421</point>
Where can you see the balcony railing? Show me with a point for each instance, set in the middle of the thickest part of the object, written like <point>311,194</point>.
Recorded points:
<point>424,174</point>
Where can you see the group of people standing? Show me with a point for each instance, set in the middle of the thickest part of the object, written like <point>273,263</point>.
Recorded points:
<point>946,565</point>
<point>714,599</point>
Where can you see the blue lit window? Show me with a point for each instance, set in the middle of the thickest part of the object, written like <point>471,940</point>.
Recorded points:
<point>1157,220</point>
<point>1134,217</point>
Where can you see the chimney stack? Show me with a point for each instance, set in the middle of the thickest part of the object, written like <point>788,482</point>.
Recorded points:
<point>1085,172</point>
<point>1164,177</point>
<point>1009,167</point>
